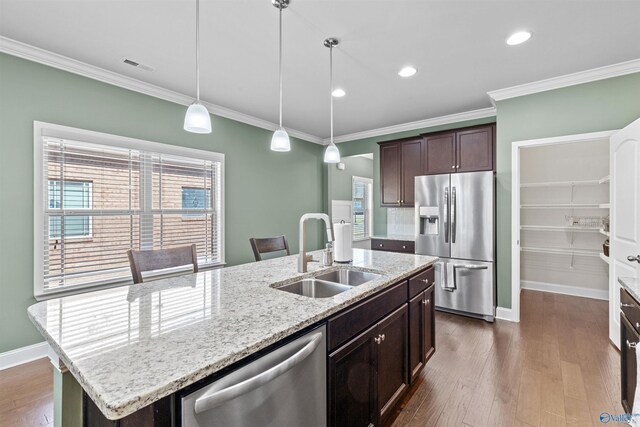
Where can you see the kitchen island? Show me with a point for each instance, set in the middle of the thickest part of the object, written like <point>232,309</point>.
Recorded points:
<point>131,346</point>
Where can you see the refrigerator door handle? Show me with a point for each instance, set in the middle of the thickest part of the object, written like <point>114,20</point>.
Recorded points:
<point>446,214</point>
<point>453,214</point>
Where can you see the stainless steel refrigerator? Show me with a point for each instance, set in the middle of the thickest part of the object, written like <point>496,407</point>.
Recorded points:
<point>455,220</point>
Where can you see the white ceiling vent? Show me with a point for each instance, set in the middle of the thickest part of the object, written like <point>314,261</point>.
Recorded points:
<point>137,64</point>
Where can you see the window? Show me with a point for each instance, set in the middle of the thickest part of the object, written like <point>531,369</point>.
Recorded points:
<point>195,198</point>
<point>99,195</point>
<point>77,195</point>
<point>362,204</point>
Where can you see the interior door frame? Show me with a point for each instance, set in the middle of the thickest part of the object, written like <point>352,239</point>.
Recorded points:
<point>515,201</point>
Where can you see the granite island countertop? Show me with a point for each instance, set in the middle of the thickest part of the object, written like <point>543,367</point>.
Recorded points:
<point>632,286</point>
<point>132,345</point>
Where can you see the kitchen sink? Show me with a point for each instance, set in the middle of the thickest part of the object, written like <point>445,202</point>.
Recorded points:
<point>348,277</point>
<point>315,288</point>
<point>326,285</point>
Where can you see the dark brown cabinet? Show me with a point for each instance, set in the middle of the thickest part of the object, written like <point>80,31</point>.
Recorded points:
<point>458,150</point>
<point>463,150</point>
<point>393,346</point>
<point>439,153</point>
<point>474,149</point>
<point>400,163</point>
<point>368,374</point>
<point>390,176</point>
<point>391,245</point>
<point>421,331</point>
<point>629,339</point>
<point>352,382</point>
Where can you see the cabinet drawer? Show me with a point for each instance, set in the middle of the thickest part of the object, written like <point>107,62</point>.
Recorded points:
<point>393,245</point>
<point>630,308</point>
<point>421,282</point>
<point>351,322</point>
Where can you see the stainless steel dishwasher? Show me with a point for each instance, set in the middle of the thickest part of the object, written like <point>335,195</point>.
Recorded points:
<point>284,388</point>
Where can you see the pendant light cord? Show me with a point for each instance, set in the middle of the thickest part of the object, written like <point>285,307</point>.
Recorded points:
<point>280,63</point>
<point>198,50</point>
<point>331,87</point>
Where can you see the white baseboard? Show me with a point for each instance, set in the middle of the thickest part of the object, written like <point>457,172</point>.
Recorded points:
<point>26,354</point>
<point>505,314</point>
<point>601,294</point>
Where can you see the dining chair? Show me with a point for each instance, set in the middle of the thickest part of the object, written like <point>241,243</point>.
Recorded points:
<point>267,245</point>
<point>160,259</point>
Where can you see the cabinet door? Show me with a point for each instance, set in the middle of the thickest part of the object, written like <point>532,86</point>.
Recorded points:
<point>393,360</point>
<point>390,177</point>
<point>474,149</point>
<point>411,166</point>
<point>352,382</point>
<point>439,154</point>
<point>428,303</point>
<point>416,336</point>
<point>628,367</point>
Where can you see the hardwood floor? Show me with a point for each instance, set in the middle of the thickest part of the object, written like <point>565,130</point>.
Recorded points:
<point>555,368</point>
<point>26,395</point>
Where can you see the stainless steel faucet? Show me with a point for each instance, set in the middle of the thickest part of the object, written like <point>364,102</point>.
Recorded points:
<point>304,258</point>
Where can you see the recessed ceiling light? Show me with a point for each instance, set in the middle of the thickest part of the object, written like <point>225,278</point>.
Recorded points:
<point>407,72</point>
<point>338,93</point>
<point>518,38</point>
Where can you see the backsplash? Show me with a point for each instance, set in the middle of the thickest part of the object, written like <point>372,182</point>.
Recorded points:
<point>401,221</point>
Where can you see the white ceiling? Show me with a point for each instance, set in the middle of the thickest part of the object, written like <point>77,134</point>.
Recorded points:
<point>457,46</point>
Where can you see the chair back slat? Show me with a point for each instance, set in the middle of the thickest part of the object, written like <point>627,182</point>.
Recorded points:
<point>268,244</point>
<point>160,259</point>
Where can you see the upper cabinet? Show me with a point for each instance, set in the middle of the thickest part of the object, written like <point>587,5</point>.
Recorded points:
<point>474,149</point>
<point>462,150</point>
<point>458,150</point>
<point>400,163</point>
<point>439,154</point>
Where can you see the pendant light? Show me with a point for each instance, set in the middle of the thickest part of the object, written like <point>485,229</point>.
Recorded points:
<point>197,119</point>
<point>280,139</point>
<point>331,154</point>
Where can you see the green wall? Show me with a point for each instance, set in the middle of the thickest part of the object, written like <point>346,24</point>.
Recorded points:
<point>340,181</point>
<point>591,107</point>
<point>370,145</point>
<point>265,192</point>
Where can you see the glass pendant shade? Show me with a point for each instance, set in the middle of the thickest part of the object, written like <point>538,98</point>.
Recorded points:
<point>331,154</point>
<point>197,119</point>
<point>280,141</point>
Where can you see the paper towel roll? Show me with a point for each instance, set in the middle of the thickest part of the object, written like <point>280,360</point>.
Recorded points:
<point>343,246</point>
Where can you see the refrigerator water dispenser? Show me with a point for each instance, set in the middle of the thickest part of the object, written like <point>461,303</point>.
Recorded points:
<point>429,220</point>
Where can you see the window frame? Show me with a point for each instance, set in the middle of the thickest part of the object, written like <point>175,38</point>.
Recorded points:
<point>368,210</point>
<point>77,238</point>
<point>42,130</point>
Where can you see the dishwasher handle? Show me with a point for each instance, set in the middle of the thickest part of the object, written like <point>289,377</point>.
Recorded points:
<point>211,400</point>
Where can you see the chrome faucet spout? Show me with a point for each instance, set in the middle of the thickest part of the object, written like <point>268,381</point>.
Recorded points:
<point>303,259</point>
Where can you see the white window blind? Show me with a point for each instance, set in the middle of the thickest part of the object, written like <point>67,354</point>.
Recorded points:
<point>362,204</point>
<point>101,200</point>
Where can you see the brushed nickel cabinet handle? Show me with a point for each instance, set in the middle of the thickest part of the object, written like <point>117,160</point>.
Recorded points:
<point>453,167</point>
<point>631,344</point>
<point>382,337</point>
<point>404,247</point>
<point>622,305</point>
<point>378,340</point>
<point>381,245</point>
<point>426,281</point>
<point>637,325</point>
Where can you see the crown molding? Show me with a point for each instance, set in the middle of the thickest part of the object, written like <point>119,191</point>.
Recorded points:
<point>420,124</point>
<point>35,54</point>
<point>601,73</point>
